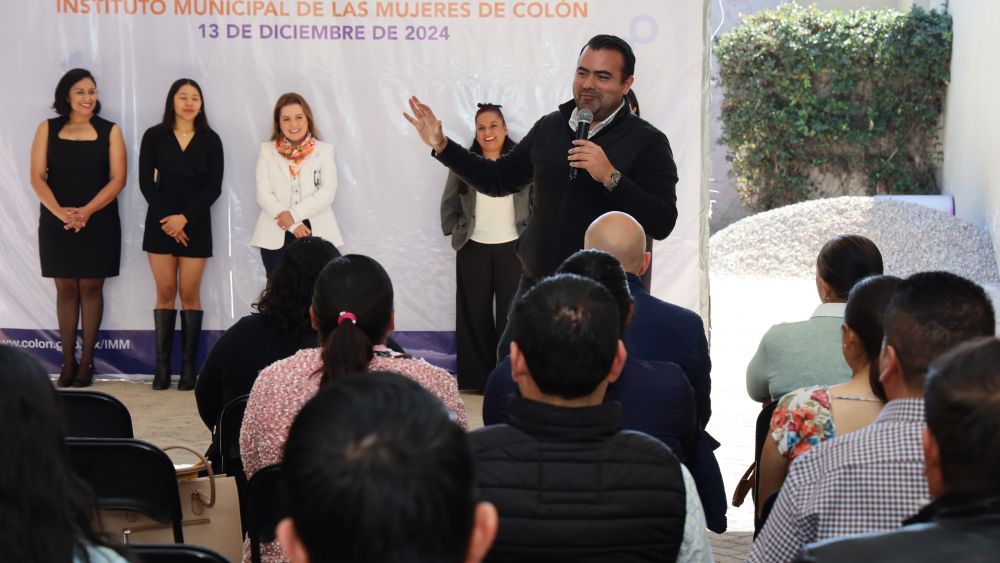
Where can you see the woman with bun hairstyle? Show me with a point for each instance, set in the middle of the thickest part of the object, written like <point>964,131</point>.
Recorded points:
<point>296,183</point>
<point>180,174</point>
<point>77,171</point>
<point>807,353</point>
<point>484,232</point>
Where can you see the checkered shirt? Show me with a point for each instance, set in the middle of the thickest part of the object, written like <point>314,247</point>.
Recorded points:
<point>864,481</point>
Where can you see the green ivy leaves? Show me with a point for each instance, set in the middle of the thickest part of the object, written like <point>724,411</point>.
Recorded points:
<point>833,95</point>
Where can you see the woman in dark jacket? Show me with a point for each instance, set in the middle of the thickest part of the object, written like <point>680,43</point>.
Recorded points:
<point>180,175</point>
<point>280,328</point>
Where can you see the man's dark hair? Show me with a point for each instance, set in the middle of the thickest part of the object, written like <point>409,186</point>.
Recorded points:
<point>602,42</point>
<point>962,396</point>
<point>376,471</point>
<point>605,270</point>
<point>567,327</point>
<point>930,313</point>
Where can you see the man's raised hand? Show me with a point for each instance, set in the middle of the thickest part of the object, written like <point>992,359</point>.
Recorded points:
<point>427,125</point>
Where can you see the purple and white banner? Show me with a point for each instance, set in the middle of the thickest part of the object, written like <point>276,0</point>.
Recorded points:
<point>356,63</point>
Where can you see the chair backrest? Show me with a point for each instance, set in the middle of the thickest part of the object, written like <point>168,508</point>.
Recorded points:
<point>176,553</point>
<point>92,414</point>
<point>227,435</point>
<point>268,504</point>
<point>761,432</point>
<point>127,474</point>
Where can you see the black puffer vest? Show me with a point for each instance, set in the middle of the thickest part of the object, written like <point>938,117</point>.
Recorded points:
<point>571,486</point>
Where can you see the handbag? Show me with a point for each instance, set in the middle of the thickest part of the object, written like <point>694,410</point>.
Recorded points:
<point>210,510</point>
<point>744,486</point>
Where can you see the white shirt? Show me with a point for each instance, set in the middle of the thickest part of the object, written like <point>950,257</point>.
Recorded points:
<point>494,220</point>
<point>574,120</point>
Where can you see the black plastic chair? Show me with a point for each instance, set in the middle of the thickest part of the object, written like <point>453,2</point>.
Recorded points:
<point>226,436</point>
<point>268,504</point>
<point>226,446</point>
<point>92,414</point>
<point>761,431</point>
<point>129,475</point>
<point>169,553</point>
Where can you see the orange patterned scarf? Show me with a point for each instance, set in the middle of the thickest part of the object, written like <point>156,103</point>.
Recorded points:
<point>295,154</point>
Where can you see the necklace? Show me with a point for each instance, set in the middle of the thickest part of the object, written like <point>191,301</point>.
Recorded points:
<point>183,134</point>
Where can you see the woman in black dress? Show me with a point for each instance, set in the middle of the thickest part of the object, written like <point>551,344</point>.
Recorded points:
<point>77,170</point>
<point>180,175</point>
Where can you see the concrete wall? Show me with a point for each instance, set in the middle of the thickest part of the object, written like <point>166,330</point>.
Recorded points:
<point>972,116</point>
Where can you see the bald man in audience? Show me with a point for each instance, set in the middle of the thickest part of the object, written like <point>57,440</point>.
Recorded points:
<point>659,331</point>
<point>663,332</point>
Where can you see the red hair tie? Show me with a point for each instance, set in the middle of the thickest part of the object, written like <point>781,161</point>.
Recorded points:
<point>346,315</point>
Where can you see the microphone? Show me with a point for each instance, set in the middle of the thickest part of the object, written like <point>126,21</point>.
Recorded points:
<point>584,118</point>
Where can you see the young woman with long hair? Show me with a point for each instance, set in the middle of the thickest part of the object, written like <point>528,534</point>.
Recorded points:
<point>180,174</point>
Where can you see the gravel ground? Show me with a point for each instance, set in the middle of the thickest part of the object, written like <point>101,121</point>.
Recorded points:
<point>784,242</point>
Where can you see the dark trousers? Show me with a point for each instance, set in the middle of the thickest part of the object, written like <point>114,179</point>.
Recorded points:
<point>503,347</point>
<point>272,258</point>
<point>487,276</point>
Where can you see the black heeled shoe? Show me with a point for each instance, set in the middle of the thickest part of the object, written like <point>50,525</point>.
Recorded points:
<point>84,376</point>
<point>67,374</point>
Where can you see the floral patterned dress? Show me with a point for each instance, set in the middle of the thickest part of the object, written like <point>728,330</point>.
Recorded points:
<point>802,420</point>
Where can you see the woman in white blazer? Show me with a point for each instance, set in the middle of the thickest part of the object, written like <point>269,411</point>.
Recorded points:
<point>296,183</point>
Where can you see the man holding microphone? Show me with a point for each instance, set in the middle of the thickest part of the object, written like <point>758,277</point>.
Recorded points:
<point>580,169</point>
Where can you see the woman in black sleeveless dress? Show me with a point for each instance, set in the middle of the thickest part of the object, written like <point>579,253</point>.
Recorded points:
<point>180,175</point>
<point>77,170</point>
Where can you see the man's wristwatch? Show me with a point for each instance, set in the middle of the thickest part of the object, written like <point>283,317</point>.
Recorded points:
<point>616,177</point>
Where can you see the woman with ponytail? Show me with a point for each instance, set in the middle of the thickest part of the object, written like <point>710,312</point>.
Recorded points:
<point>352,310</point>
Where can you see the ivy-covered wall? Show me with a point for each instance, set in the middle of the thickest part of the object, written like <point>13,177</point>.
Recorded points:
<point>812,94</point>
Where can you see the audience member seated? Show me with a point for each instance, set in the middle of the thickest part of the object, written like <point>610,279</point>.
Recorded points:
<point>872,479</point>
<point>656,397</point>
<point>376,472</point>
<point>658,331</point>
<point>45,509</point>
<point>807,353</point>
<point>352,311</point>
<point>962,461</point>
<point>279,328</point>
<point>568,482</point>
<point>805,417</point>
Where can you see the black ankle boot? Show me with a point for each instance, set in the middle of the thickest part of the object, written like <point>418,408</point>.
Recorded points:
<point>190,335</point>
<point>163,322</point>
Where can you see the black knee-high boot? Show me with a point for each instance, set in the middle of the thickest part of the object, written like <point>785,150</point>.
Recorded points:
<point>163,322</point>
<point>190,334</point>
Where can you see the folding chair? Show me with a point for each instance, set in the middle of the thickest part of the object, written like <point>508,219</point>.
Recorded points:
<point>129,474</point>
<point>92,414</point>
<point>176,553</point>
